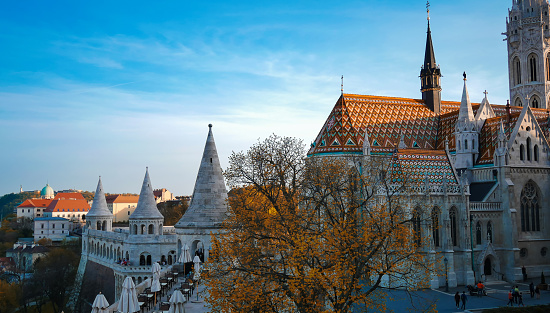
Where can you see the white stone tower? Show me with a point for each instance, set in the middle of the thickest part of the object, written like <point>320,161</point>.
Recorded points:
<point>528,37</point>
<point>208,206</point>
<point>146,219</point>
<point>99,217</point>
<point>466,134</point>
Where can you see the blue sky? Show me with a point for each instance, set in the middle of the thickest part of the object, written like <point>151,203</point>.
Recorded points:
<point>110,87</point>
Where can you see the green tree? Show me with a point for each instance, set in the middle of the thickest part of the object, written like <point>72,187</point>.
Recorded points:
<point>9,296</point>
<point>172,211</point>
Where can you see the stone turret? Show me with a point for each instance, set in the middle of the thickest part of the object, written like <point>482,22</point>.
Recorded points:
<point>99,217</point>
<point>208,208</point>
<point>466,135</point>
<point>146,219</point>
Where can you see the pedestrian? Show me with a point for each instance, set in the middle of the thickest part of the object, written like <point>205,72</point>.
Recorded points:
<point>457,299</point>
<point>510,299</point>
<point>524,272</point>
<point>537,292</point>
<point>520,297</point>
<point>532,289</point>
<point>464,299</point>
<point>516,294</point>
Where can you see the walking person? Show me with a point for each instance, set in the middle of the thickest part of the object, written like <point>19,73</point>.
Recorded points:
<point>457,299</point>
<point>537,292</point>
<point>464,299</point>
<point>520,297</point>
<point>510,299</point>
<point>516,294</point>
<point>532,290</point>
<point>524,272</point>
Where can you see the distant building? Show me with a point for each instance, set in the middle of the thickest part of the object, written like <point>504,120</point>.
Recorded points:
<point>54,228</point>
<point>7,264</point>
<point>71,206</point>
<point>32,208</point>
<point>25,255</point>
<point>163,195</point>
<point>121,206</point>
<point>47,192</point>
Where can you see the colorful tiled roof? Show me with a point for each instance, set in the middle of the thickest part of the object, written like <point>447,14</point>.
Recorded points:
<point>386,118</point>
<point>417,165</point>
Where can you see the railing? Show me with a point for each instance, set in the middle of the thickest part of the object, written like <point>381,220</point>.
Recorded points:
<point>482,175</point>
<point>485,206</point>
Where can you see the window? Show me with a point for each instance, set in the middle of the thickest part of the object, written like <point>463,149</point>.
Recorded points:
<point>478,233</point>
<point>517,71</point>
<point>435,226</point>
<point>533,68</point>
<point>466,144</point>
<point>547,64</point>
<point>417,230</point>
<point>53,225</point>
<point>452,215</point>
<point>41,225</point>
<point>528,149</point>
<point>523,252</point>
<point>543,251</point>
<point>535,102</point>
<point>490,232</point>
<point>536,153</point>
<point>518,102</point>
<point>62,225</point>
<point>522,152</point>
<point>128,212</point>
<point>473,144</point>
<point>530,208</point>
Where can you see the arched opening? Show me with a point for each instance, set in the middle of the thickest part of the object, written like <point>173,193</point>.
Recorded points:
<point>478,233</point>
<point>533,67</point>
<point>142,260</point>
<point>149,260</point>
<point>530,207</point>
<point>151,229</point>
<point>417,230</point>
<point>169,259</point>
<point>489,231</point>
<point>528,149</point>
<point>435,226</point>
<point>98,226</point>
<point>536,153</point>
<point>163,260</point>
<point>143,229</point>
<point>522,152</point>
<point>139,280</point>
<point>547,64</point>
<point>487,267</point>
<point>517,71</point>
<point>535,103</point>
<point>465,144</point>
<point>518,102</point>
<point>452,216</point>
<point>104,225</point>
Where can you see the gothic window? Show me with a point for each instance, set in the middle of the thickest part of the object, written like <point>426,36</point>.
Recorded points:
<point>458,141</point>
<point>466,144</point>
<point>530,207</point>
<point>528,149</point>
<point>518,102</point>
<point>473,144</point>
<point>453,216</point>
<point>522,152</point>
<point>517,71</point>
<point>533,68</point>
<point>535,102</point>
<point>548,66</point>
<point>478,233</point>
<point>435,226</point>
<point>490,232</point>
<point>417,230</point>
<point>150,229</point>
<point>536,153</point>
<point>149,260</point>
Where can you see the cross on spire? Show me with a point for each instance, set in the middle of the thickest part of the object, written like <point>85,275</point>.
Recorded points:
<point>342,85</point>
<point>485,93</point>
<point>428,9</point>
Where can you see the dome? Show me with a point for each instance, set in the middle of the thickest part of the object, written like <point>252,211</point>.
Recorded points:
<point>47,192</point>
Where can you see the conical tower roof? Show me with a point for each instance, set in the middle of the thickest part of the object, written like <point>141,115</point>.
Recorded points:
<point>466,113</point>
<point>99,206</point>
<point>429,55</point>
<point>208,206</point>
<point>147,206</point>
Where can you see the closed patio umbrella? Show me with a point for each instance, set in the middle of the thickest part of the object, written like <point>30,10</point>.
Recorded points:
<point>100,304</point>
<point>176,302</point>
<point>128,302</point>
<point>185,257</point>
<point>155,283</point>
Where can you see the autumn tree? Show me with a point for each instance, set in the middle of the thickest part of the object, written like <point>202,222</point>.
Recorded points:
<point>312,235</point>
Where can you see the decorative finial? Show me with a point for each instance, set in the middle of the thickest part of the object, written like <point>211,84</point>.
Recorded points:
<point>485,93</point>
<point>342,85</point>
<point>428,9</point>
<point>209,125</point>
<point>464,74</point>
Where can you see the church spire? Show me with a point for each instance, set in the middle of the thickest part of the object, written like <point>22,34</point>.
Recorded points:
<point>430,74</point>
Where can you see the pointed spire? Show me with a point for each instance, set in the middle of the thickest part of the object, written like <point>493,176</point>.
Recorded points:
<point>208,204</point>
<point>430,75</point>
<point>429,55</point>
<point>501,133</point>
<point>402,144</point>
<point>466,114</point>
<point>366,144</point>
<point>99,206</point>
<point>147,206</point>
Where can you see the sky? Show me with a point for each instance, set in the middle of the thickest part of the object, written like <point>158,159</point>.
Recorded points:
<point>107,88</point>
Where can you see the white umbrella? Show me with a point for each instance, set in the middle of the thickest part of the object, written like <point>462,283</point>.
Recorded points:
<point>100,304</point>
<point>155,284</point>
<point>128,302</point>
<point>176,302</point>
<point>197,261</point>
<point>185,257</point>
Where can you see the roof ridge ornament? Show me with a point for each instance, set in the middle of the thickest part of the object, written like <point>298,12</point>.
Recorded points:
<point>428,9</point>
<point>342,85</point>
